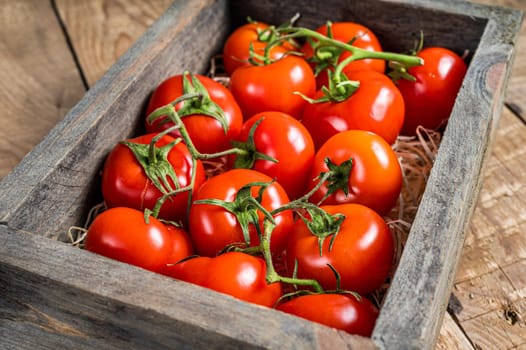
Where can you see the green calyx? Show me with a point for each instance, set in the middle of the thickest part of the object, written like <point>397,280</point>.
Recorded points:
<point>337,176</point>
<point>323,225</point>
<point>247,158</point>
<point>202,103</point>
<point>245,208</point>
<point>154,161</point>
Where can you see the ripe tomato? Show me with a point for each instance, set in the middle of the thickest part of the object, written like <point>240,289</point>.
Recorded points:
<point>122,234</point>
<point>182,245</point>
<point>359,36</point>
<point>213,227</point>
<point>273,87</point>
<point>206,132</point>
<point>125,183</point>
<point>430,99</point>
<point>375,178</point>
<point>283,138</point>
<point>377,105</point>
<point>236,51</point>
<point>362,251</point>
<point>340,311</point>
<point>240,275</point>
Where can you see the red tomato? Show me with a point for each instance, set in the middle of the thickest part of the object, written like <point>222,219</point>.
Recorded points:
<point>236,52</point>
<point>207,133</point>
<point>240,275</point>
<point>182,245</point>
<point>375,106</point>
<point>272,87</point>
<point>375,178</point>
<point>125,183</point>
<point>213,227</point>
<point>340,311</point>
<point>362,251</point>
<point>430,99</point>
<point>285,139</point>
<point>361,37</point>
<point>122,234</point>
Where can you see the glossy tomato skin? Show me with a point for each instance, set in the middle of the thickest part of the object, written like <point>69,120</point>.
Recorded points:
<point>364,38</point>
<point>362,251</point>
<point>182,244</point>
<point>285,139</point>
<point>237,274</point>
<point>430,99</point>
<point>212,227</point>
<point>376,177</point>
<point>340,311</point>
<point>125,184</point>
<point>207,134</point>
<point>122,234</point>
<point>272,87</point>
<point>236,51</point>
<point>377,106</point>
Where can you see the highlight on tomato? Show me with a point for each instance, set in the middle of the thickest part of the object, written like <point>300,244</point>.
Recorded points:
<point>361,250</point>
<point>124,234</point>
<point>226,211</point>
<point>279,146</point>
<point>141,170</point>
<point>362,168</point>
<point>240,275</point>
<point>211,118</point>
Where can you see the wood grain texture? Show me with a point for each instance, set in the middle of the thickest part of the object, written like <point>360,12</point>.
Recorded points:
<point>491,278</point>
<point>34,64</point>
<point>110,29</point>
<point>451,336</point>
<point>64,300</point>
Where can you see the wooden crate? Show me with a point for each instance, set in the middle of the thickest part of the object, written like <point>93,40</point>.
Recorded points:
<point>56,296</point>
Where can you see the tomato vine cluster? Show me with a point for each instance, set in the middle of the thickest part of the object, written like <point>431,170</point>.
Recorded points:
<point>273,189</point>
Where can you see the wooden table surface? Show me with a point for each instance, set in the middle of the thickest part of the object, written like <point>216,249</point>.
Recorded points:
<point>51,52</point>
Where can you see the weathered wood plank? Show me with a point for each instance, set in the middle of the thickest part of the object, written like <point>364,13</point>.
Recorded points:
<point>110,29</point>
<point>446,213</point>
<point>516,97</point>
<point>451,337</point>
<point>62,174</point>
<point>61,295</point>
<point>40,81</point>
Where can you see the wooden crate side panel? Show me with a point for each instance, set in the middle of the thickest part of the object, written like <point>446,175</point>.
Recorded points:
<point>58,175</point>
<point>419,292</point>
<point>63,295</point>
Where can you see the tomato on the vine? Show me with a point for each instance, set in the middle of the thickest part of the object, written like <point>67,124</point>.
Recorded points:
<point>348,32</point>
<point>429,100</point>
<point>213,227</point>
<point>274,87</point>
<point>200,118</point>
<point>240,275</point>
<point>236,51</point>
<point>376,105</point>
<point>361,251</point>
<point>364,168</point>
<point>125,182</point>
<point>340,311</point>
<point>123,234</point>
<point>279,146</point>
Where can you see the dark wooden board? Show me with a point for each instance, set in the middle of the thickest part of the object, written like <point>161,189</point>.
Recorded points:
<point>57,183</point>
